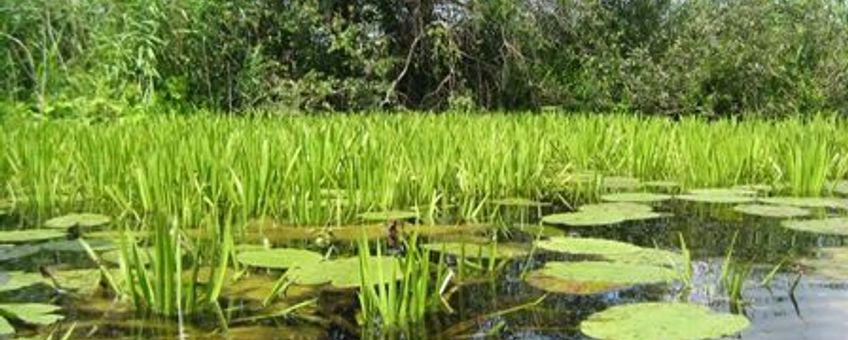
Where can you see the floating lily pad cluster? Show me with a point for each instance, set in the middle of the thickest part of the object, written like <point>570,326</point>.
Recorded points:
<point>624,265</point>
<point>657,320</point>
<point>603,214</point>
<point>478,250</point>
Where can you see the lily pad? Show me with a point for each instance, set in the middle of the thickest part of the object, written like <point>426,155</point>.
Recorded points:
<point>85,220</point>
<point>603,214</point>
<point>586,246</point>
<point>637,197</point>
<point>615,183</point>
<point>519,202</point>
<point>830,226</point>
<point>6,328</point>
<point>591,277</point>
<point>10,281</point>
<point>31,313</point>
<point>807,202</point>
<point>658,320</point>
<point>279,258</point>
<point>719,196</point>
<point>664,185</point>
<point>10,252</point>
<point>757,188</point>
<point>649,256</point>
<point>83,281</point>
<point>388,215</point>
<point>29,235</point>
<point>477,250</point>
<point>777,211</point>
<point>344,273</point>
<point>75,246</point>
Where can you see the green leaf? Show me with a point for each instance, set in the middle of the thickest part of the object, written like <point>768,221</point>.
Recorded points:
<point>344,273</point>
<point>807,202</point>
<point>636,197</point>
<point>10,252</point>
<point>479,250</point>
<point>829,226</point>
<point>603,214</point>
<point>718,195</point>
<point>31,313</point>
<point>29,235</point>
<point>85,220</point>
<point>279,258</point>
<point>5,327</point>
<point>388,215</point>
<point>667,321</point>
<point>10,281</point>
<point>591,277</point>
<point>587,246</point>
<point>777,211</point>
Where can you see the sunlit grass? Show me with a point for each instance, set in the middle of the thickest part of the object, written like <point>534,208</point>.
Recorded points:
<point>451,164</point>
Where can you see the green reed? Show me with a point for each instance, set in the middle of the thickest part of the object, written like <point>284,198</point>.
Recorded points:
<point>185,166</point>
<point>397,306</point>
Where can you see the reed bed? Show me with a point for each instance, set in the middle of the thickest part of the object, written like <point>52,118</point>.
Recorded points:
<point>309,170</point>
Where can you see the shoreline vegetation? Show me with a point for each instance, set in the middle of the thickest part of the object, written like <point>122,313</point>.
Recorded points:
<point>330,169</point>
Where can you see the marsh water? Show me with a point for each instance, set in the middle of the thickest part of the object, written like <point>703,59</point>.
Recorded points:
<point>816,308</point>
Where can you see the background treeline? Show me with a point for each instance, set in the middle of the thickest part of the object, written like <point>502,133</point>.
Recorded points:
<point>668,57</point>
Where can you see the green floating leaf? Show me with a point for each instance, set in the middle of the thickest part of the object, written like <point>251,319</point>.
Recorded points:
<point>831,263</point>
<point>807,202</point>
<point>29,235</point>
<point>830,226</point>
<point>603,214</point>
<point>777,211</point>
<point>649,256</point>
<point>657,320</point>
<point>85,220</point>
<point>10,281</point>
<point>615,183</point>
<point>344,273</point>
<point>31,313</point>
<point>279,258</point>
<point>592,277</point>
<point>83,281</point>
<point>388,215</point>
<point>10,252</point>
<point>519,202</point>
<point>6,328</point>
<point>477,250</point>
<point>75,246</point>
<point>664,185</point>
<point>757,188</point>
<point>636,197</point>
<point>718,195</point>
<point>586,246</point>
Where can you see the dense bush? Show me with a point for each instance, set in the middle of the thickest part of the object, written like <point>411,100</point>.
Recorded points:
<point>713,57</point>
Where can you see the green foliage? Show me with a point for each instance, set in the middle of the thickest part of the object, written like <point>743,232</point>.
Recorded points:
<point>102,59</point>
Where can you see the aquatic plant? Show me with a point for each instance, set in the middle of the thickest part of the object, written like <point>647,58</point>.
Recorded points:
<point>399,305</point>
<point>282,168</point>
<point>670,321</point>
<point>27,313</point>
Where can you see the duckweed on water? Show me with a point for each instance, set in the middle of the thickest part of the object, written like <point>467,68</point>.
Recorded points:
<point>667,321</point>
